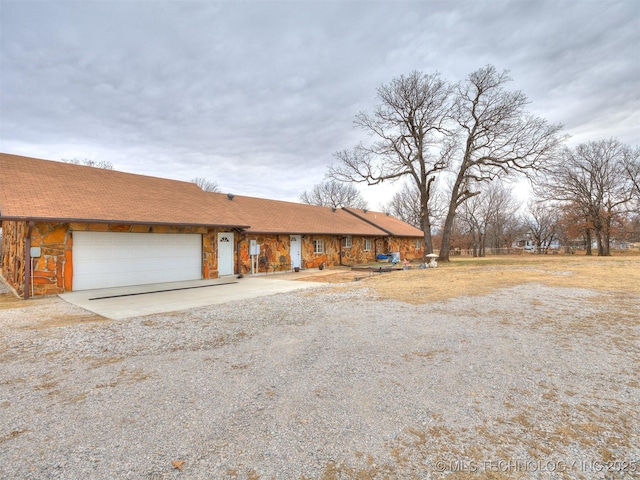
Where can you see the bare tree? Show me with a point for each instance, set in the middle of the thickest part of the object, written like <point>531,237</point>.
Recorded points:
<point>334,194</point>
<point>206,184</point>
<point>410,140</point>
<point>541,221</point>
<point>405,205</point>
<point>104,164</point>
<point>505,225</point>
<point>497,137</point>
<point>424,126</point>
<point>488,216</point>
<point>599,179</point>
<point>631,166</point>
<point>475,217</point>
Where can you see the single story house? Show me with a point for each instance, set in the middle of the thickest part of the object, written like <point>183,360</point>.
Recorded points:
<point>69,227</point>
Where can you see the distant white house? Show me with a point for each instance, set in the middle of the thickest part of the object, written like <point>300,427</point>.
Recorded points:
<point>529,245</point>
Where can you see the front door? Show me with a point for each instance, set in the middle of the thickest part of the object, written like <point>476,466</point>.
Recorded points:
<point>225,253</point>
<point>295,250</point>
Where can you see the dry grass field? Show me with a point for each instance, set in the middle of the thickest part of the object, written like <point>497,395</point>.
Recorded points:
<point>480,276</point>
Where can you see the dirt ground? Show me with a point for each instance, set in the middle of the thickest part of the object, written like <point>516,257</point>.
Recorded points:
<point>503,367</point>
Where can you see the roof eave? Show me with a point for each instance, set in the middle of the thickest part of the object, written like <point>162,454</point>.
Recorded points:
<point>358,234</point>
<point>23,218</point>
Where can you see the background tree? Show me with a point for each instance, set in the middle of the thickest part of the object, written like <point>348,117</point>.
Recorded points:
<point>206,184</point>
<point>90,163</point>
<point>574,228</point>
<point>598,179</point>
<point>505,226</point>
<point>410,140</point>
<point>405,205</point>
<point>631,166</point>
<point>334,194</point>
<point>474,216</point>
<point>490,218</point>
<point>541,221</point>
<point>497,137</point>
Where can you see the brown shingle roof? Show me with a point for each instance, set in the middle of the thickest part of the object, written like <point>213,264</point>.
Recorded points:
<point>41,189</point>
<point>275,216</point>
<point>391,225</point>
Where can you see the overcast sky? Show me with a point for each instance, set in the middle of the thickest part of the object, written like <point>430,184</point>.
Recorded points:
<point>258,95</point>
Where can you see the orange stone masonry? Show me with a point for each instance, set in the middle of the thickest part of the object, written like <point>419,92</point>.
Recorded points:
<point>13,244</point>
<point>52,272</point>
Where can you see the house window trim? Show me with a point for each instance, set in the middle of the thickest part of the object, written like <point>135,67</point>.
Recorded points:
<point>318,246</point>
<point>368,245</point>
<point>347,242</point>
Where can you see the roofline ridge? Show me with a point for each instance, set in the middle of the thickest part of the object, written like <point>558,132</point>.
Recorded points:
<point>346,209</point>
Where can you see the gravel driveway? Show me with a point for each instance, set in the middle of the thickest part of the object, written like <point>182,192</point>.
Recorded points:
<point>529,382</point>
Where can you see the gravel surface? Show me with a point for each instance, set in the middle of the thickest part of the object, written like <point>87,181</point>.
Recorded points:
<point>529,382</point>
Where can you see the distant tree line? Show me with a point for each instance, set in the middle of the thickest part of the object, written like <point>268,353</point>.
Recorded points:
<point>104,164</point>
<point>334,194</point>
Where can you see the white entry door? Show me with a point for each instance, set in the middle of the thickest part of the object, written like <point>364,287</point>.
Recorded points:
<point>225,253</point>
<point>295,250</point>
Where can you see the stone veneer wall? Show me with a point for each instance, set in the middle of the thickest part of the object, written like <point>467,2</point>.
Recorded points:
<point>330,257</point>
<point>13,241</point>
<point>53,270</point>
<point>275,249</point>
<point>356,254</point>
<point>407,248</point>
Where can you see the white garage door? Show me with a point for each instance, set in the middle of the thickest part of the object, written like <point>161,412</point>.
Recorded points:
<point>107,259</point>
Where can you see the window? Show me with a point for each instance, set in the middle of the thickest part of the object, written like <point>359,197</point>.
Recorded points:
<point>318,246</point>
<point>418,244</point>
<point>367,244</point>
<point>347,242</point>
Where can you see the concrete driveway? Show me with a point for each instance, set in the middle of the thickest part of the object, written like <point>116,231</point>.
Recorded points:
<point>125,302</point>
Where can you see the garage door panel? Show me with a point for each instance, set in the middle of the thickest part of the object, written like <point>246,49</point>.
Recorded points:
<point>109,259</point>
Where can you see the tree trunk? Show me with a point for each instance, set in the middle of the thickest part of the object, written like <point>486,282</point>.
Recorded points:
<point>598,233</point>
<point>451,214</point>
<point>426,230</point>
<point>606,237</point>
<point>428,245</point>
<point>446,234</point>
<point>588,241</point>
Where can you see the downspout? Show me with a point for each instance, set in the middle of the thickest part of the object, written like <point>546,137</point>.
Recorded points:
<point>27,260</point>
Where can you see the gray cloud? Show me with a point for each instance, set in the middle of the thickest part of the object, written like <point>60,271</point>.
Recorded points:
<point>258,95</point>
